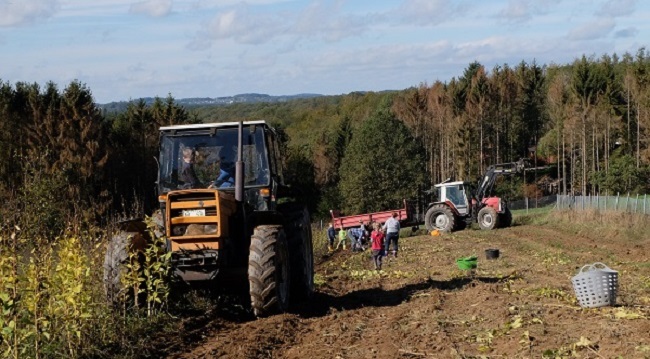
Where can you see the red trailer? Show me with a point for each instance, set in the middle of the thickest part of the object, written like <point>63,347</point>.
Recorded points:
<point>404,216</point>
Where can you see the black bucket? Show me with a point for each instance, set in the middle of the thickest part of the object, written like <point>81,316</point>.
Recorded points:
<point>491,253</point>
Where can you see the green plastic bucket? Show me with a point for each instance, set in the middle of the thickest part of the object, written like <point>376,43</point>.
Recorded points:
<point>467,263</point>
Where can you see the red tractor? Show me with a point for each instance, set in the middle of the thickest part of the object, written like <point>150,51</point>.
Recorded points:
<point>458,206</point>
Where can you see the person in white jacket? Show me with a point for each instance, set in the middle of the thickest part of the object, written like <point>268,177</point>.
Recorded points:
<point>391,228</point>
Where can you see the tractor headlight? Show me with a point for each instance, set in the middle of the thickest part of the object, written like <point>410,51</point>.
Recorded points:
<point>179,230</point>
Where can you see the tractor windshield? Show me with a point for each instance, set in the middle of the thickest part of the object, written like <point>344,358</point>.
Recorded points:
<point>456,194</point>
<point>206,159</point>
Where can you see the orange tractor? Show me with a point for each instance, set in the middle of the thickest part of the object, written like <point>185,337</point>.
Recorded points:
<point>220,187</point>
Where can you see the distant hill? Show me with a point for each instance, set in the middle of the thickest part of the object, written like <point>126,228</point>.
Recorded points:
<point>202,101</point>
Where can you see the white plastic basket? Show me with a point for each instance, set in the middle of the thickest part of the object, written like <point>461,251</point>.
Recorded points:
<point>596,285</point>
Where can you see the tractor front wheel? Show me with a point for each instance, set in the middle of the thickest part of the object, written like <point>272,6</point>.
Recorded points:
<point>440,217</point>
<point>116,262</point>
<point>268,270</point>
<point>488,218</point>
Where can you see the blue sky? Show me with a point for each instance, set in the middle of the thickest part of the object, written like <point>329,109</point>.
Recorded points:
<point>125,49</point>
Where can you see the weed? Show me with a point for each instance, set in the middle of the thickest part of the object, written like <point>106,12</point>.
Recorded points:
<point>485,341</point>
<point>554,293</point>
<point>319,280</point>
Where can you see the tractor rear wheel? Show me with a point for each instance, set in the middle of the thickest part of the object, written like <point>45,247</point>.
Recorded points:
<point>298,229</point>
<point>268,270</point>
<point>506,219</point>
<point>440,217</point>
<point>488,218</point>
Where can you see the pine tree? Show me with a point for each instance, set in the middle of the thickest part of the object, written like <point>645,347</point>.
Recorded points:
<point>383,164</point>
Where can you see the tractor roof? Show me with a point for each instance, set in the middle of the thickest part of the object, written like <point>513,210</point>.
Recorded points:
<point>210,125</point>
<point>447,184</point>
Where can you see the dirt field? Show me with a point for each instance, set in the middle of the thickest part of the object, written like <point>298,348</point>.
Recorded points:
<point>521,305</point>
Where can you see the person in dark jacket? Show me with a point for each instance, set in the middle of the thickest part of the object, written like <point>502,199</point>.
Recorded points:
<point>188,176</point>
<point>357,236</point>
<point>331,236</point>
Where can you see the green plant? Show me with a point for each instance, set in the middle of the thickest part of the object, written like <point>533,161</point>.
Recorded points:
<point>156,271</point>
<point>8,297</point>
<point>70,297</point>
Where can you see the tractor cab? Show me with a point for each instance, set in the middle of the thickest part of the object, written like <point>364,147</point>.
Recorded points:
<point>204,156</point>
<point>456,193</point>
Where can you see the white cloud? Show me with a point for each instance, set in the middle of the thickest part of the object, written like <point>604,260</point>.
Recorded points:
<point>425,12</point>
<point>326,21</point>
<point>21,12</point>
<point>516,11</point>
<point>244,26</point>
<point>592,30</point>
<point>319,20</point>
<point>523,10</point>
<point>153,8</point>
<point>615,8</point>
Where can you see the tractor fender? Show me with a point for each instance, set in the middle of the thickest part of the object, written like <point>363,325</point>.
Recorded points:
<point>494,202</point>
<point>259,218</point>
<point>446,203</point>
<point>136,230</point>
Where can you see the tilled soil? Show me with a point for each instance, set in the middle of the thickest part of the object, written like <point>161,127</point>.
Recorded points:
<point>520,305</point>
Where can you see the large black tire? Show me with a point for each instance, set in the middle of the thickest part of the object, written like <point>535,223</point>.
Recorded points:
<point>505,219</point>
<point>488,218</point>
<point>115,260</point>
<point>460,225</point>
<point>298,230</point>
<point>440,217</point>
<point>268,270</point>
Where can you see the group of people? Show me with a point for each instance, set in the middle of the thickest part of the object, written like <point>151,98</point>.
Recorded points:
<point>380,239</point>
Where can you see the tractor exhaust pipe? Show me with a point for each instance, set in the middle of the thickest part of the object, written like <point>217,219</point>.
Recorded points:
<point>239,165</point>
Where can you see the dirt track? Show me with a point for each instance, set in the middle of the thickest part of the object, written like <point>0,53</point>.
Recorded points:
<point>520,305</point>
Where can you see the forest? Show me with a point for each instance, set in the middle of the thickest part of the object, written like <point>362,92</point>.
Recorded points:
<point>70,169</point>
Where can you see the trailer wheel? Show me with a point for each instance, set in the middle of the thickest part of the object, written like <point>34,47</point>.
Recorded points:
<point>506,219</point>
<point>440,217</point>
<point>268,271</point>
<point>488,218</point>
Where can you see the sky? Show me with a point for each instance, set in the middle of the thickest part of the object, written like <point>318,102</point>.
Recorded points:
<point>125,50</point>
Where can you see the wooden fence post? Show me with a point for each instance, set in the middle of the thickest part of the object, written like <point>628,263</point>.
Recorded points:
<point>616,202</point>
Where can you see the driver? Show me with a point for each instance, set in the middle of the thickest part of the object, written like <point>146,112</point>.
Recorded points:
<point>225,178</point>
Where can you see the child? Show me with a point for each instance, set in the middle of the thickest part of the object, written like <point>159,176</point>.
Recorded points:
<point>377,237</point>
<point>342,238</point>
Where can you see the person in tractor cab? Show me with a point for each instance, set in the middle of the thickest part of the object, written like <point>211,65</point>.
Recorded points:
<point>224,179</point>
<point>188,176</point>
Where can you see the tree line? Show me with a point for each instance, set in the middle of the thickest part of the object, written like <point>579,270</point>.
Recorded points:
<point>587,120</point>
<point>62,156</point>
<point>63,160</point>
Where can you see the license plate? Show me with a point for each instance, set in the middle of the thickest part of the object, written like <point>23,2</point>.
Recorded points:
<point>194,213</point>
